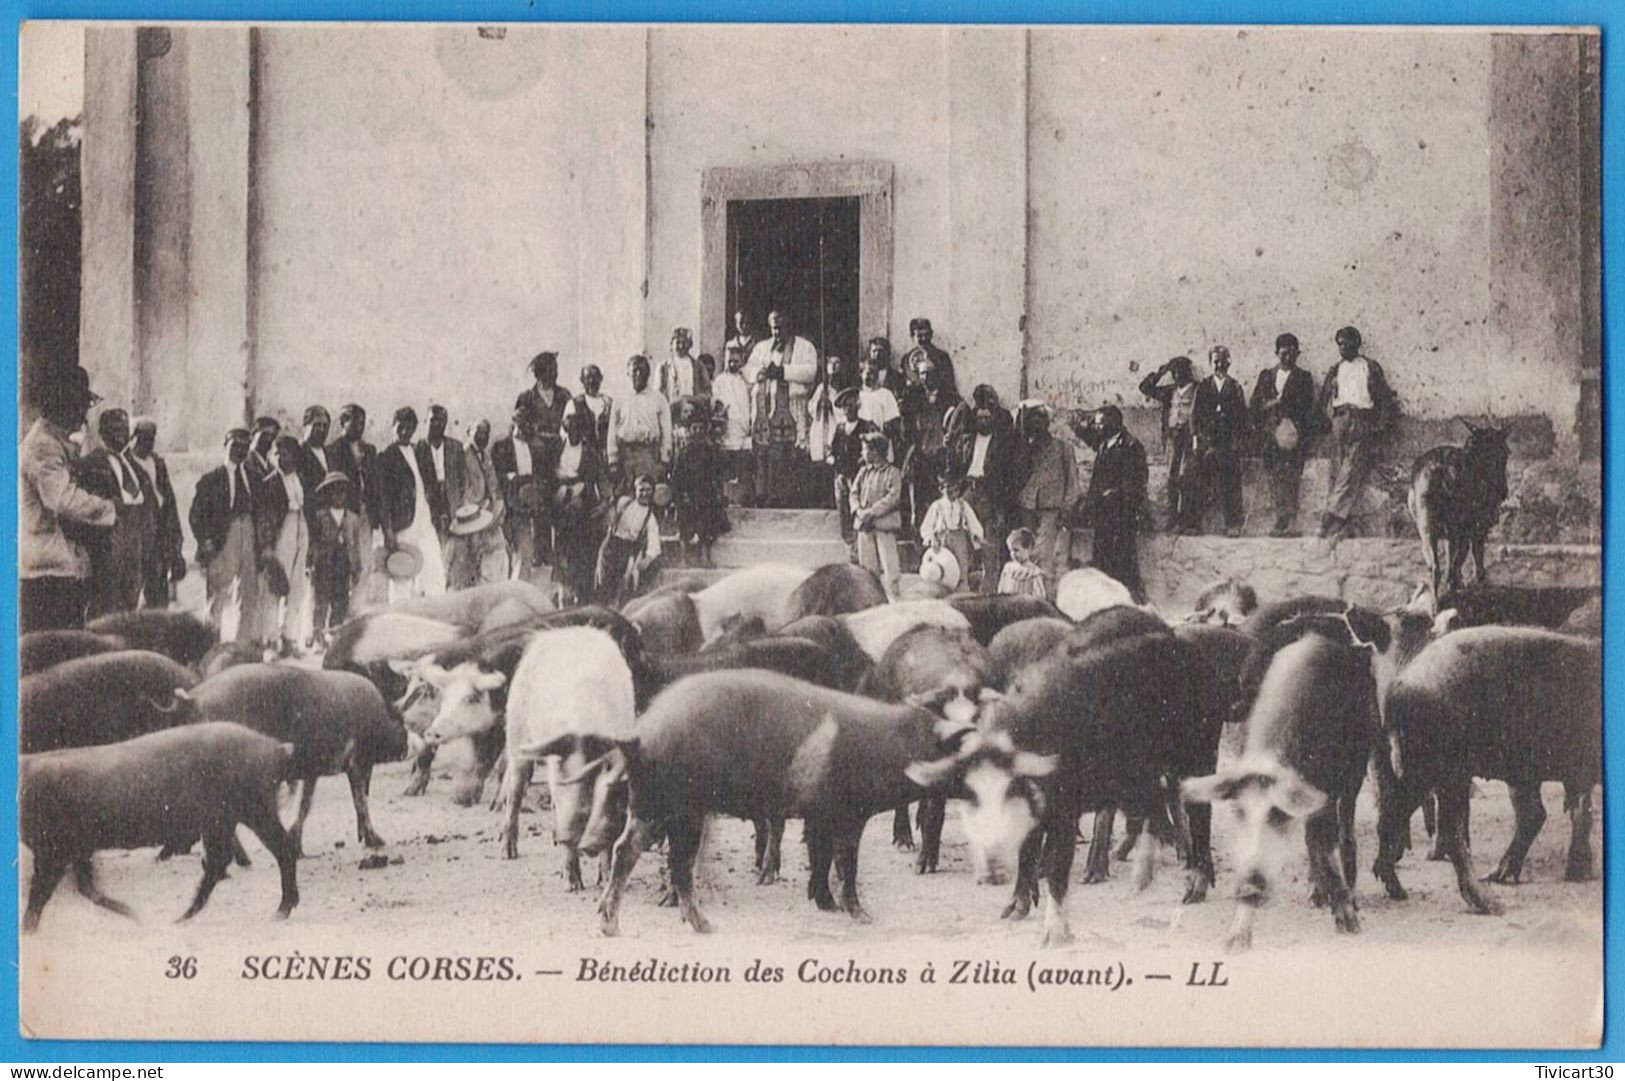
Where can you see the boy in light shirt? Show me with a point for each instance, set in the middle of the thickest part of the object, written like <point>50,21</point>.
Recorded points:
<point>731,390</point>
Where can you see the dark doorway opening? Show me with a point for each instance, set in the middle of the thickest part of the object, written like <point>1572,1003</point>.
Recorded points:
<point>800,257</point>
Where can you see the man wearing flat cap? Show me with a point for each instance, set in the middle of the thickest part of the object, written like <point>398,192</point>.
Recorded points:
<point>222,520</point>
<point>58,514</point>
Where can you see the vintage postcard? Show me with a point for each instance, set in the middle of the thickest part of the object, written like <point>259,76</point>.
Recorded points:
<point>509,513</point>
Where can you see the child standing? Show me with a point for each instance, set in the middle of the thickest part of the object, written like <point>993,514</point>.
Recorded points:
<point>1022,575</point>
<point>696,479</point>
<point>951,523</point>
<point>331,530</point>
<point>730,390</point>
<point>876,493</point>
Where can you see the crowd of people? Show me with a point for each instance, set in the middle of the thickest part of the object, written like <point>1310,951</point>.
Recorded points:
<point>585,484</point>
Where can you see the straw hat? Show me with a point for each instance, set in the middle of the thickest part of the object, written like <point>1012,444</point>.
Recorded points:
<point>334,479</point>
<point>1286,434</point>
<point>404,563</point>
<point>469,519</point>
<point>940,565</point>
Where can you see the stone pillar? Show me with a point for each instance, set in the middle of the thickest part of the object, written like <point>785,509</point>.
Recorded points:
<point>107,209</point>
<point>987,207</point>
<point>217,386</point>
<point>162,225</point>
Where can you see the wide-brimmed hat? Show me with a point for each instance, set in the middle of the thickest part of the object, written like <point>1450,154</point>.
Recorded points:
<point>850,394</point>
<point>940,565</point>
<point>68,387</point>
<point>1287,434</point>
<point>334,479</point>
<point>404,563</point>
<point>469,519</point>
<point>662,496</point>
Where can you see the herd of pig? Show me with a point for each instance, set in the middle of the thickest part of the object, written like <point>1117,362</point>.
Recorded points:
<point>779,692</point>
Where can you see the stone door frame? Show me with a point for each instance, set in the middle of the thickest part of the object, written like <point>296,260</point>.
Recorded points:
<point>870,181</point>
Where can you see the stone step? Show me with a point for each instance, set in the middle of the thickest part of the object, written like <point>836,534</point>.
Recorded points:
<point>753,522</point>
<point>799,551</point>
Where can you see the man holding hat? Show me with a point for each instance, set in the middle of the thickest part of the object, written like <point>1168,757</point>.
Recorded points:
<point>313,460</point>
<point>413,555</point>
<point>846,456</point>
<point>357,459</point>
<point>54,568</point>
<point>165,563</point>
<point>1283,411</point>
<point>927,357</point>
<point>517,462</point>
<point>222,520</point>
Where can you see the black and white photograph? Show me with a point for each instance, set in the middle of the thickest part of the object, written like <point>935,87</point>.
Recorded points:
<point>509,514</point>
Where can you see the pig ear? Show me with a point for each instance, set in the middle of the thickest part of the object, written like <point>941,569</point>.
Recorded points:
<point>1445,620</point>
<point>1296,796</point>
<point>932,774</point>
<point>489,681</point>
<point>1209,789</point>
<point>1028,764</point>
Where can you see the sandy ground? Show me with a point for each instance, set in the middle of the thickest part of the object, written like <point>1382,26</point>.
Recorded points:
<point>449,877</point>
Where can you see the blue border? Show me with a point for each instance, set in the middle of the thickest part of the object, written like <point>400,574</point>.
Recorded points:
<point>1253,12</point>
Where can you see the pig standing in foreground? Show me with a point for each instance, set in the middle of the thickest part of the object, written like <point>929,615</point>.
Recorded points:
<point>102,698</point>
<point>160,789</point>
<point>760,745</point>
<point>1508,703</point>
<point>336,721</point>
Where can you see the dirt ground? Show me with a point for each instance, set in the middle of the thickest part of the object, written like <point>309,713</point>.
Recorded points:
<point>447,880</point>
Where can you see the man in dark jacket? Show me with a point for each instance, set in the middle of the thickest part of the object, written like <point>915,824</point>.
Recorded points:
<point>982,439</point>
<point>222,520</point>
<point>1178,398</point>
<point>351,455</point>
<point>402,508</point>
<point>526,477</point>
<point>544,403</point>
<point>1116,492</point>
<point>448,470</point>
<point>119,563</point>
<point>314,460</point>
<point>1362,408</point>
<point>1283,411</point>
<point>164,562</point>
<point>1220,425</point>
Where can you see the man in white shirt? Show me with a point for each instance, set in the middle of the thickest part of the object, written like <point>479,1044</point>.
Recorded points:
<point>1362,408</point>
<point>404,514</point>
<point>733,392</point>
<point>680,374</point>
<point>877,405</point>
<point>640,429</point>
